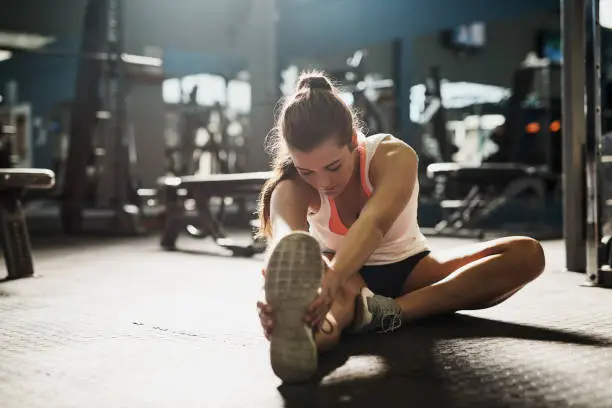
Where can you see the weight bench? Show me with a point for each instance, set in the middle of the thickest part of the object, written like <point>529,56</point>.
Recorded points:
<point>472,193</point>
<point>201,188</point>
<point>13,230</point>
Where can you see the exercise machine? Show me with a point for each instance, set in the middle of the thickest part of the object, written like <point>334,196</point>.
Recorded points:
<point>13,229</point>
<point>14,182</point>
<point>115,189</point>
<point>434,116</point>
<point>207,140</point>
<point>98,186</point>
<point>470,194</point>
<point>368,94</point>
<point>474,193</point>
<point>532,131</point>
<point>200,188</point>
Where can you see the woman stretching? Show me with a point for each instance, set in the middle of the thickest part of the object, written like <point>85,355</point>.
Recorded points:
<point>346,252</point>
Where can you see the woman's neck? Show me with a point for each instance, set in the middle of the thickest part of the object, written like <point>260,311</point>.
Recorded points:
<point>354,184</point>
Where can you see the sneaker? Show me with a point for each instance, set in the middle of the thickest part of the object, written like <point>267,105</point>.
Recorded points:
<point>293,278</point>
<point>376,313</point>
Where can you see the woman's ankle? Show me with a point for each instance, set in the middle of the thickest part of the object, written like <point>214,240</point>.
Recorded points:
<point>328,335</point>
<point>326,342</point>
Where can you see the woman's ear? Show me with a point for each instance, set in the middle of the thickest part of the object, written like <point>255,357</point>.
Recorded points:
<point>354,141</point>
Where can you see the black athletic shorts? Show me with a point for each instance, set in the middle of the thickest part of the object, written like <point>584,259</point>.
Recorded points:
<point>388,280</point>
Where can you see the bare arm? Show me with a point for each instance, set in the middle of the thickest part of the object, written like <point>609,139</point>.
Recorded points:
<point>288,209</point>
<point>393,173</point>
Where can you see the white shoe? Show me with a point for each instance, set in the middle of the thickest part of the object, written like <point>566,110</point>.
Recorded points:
<point>293,277</point>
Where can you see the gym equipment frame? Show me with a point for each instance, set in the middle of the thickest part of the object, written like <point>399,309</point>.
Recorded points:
<point>586,250</point>
<point>201,188</point>
<point>13,229</point>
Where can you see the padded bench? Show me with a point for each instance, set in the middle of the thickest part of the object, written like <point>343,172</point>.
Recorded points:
<point>201,189</point>
<point>13,230</point>
<point>487,187</point>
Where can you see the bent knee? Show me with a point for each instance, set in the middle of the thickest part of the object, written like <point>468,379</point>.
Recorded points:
<point>531,255</point>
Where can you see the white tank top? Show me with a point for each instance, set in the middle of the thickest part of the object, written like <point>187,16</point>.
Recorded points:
<point>403,239</point>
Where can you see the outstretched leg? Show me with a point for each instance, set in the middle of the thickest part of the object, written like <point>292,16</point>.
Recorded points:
<point>293,276</point>
<point>474,277</point>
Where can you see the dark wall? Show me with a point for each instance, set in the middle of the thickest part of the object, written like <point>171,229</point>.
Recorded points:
<point>508,43</point>
<point>323,25</point>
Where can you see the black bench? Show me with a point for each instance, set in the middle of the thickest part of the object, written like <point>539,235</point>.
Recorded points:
<point>13,231</point>
<point>201,188</point>
<point>472,193</point>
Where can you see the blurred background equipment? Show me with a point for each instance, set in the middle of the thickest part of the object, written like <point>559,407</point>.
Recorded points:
<point>94,136</point>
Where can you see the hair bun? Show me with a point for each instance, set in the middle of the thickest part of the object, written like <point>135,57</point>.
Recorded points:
<point>313,82</point>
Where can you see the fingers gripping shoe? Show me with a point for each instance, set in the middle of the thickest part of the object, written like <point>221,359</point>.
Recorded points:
<point>293,278</point>
<point>376,313</point>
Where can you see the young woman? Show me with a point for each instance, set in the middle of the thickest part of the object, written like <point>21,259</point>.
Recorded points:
<point>346,249</point>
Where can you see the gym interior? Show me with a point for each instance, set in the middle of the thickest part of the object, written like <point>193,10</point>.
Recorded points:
<point>161,112</point>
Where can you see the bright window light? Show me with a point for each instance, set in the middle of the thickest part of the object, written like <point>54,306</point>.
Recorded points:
<point>24,40</point>
<point>142,60</point>
<point>171,90</point>
<point>4,55</point>
<point>605,13</point>
<point>239,96</point>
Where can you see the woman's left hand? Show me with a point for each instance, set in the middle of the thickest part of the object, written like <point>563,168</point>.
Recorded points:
<point>315,315</point>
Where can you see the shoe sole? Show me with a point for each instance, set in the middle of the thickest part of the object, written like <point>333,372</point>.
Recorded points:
<point>293,278</point>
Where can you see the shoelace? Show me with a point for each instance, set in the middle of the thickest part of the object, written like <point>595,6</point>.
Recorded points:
<point>322,328</point>
<point>394,322</point>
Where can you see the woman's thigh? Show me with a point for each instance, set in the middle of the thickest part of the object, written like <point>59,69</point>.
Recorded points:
<point>438,265</point>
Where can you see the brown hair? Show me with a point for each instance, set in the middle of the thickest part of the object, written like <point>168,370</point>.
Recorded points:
<point>306,119</point>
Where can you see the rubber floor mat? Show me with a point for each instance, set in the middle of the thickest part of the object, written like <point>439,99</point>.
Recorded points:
<point>132,326</point>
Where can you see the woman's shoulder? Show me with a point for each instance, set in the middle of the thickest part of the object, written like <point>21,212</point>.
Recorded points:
<point>389,144</point>
<point>391,148</point>
<point>296,190</point>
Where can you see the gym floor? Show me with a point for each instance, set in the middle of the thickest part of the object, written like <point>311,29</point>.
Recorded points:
<point>123,324</point>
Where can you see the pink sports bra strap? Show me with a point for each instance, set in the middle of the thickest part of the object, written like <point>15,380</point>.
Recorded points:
<point>335,223</point>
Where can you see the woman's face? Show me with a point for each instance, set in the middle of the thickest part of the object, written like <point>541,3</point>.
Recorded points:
<point>328,167</point>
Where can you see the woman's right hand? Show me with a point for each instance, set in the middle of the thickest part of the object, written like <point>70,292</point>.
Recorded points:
<point>266,317</point>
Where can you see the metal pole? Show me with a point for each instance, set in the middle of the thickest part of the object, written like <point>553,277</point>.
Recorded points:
<point>574,125</point>
<point>82,122</point>
<point>593,141</point>
<point>113,180</point>
<point>599,271</point>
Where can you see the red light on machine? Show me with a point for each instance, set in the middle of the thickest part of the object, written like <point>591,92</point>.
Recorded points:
<point>555,126</point>
<point>533,127</point>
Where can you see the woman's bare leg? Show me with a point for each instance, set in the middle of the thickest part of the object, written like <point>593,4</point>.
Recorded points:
<point>475,277</point>
<point>341,314</point>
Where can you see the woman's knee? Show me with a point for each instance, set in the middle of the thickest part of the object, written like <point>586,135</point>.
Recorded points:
<point>531,255</point>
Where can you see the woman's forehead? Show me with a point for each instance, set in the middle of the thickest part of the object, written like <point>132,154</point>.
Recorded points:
<point>321,156</point>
